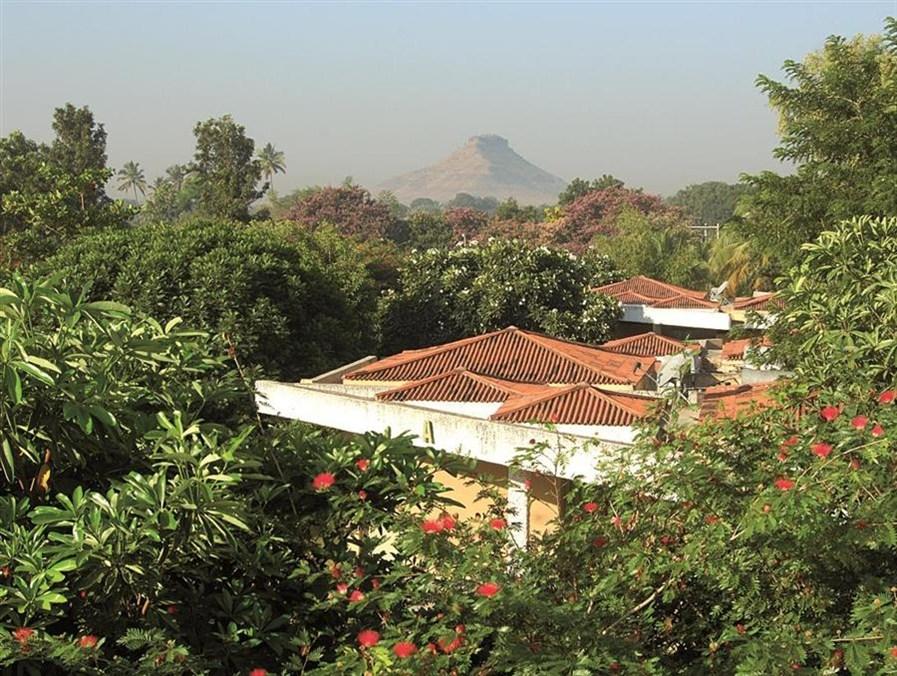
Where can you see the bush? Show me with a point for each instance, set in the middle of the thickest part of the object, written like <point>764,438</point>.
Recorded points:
<point>292,303</point>
<point>445,295</point>
<point>840,316</point>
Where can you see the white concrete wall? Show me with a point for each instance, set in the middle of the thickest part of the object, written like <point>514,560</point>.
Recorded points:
<point>616,433</point>
<point>486,440</point>
<point>690,318</point>
<point>474,409</point>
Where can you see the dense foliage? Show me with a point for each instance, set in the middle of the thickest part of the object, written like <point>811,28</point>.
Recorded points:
<point>348,208</point>
<point>840,318</point>
<point>709,203</point>
<point>291,303</point>
<point>838,123</point>
<point>446,295</point>
<point>658,245</point>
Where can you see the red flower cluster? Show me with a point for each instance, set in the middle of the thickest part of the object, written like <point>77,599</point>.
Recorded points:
<point>822,449</point>
<point>498,524</point>
<point>784,484</point>
<point>22,634</point>
<point>258,671</point>
<point>590,507</point>
<point>877,431</point>
<point>488,589</point>
<point>887,397</point>
<point>323,481</point>
<point>356,596</point>
<point>404,649</point>
<point>830,413</point>
<point>859,422</point>
<point>368,638</point>
<point>362,464</point>
<point>88,641</point>
<point>443,523</point>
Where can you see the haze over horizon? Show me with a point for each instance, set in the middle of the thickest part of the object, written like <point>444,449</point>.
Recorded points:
<point>660,95</point>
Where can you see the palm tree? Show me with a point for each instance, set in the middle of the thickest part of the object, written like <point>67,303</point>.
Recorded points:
<point>176,174</point>
<point>736,260</point>
<point>130,177</point>
<point>272,161</point>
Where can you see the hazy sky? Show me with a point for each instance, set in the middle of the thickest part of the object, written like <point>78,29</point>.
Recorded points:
<point>659,94</point>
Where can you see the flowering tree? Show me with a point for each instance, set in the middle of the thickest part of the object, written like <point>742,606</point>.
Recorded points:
<point>594,214</point>
<point>348,208</point>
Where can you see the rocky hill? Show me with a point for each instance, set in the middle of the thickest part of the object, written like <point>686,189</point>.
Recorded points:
<point>485,166</point>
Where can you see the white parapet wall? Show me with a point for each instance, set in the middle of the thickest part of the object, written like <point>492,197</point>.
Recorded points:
<point>485,440</point>
<point>689,318</point>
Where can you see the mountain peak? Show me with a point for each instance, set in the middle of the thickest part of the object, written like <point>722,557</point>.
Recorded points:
<point>486,166</point>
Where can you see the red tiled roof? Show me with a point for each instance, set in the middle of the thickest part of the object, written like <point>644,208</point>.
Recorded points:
<point>735,349</point>
<point>515,355</point>
<point>730,401</point>
<point>459,385</point>
<point>648,344</point>
<point>765,302</point>
<point>685,303</point>
<point>649,288</point>
<point>581,404</point>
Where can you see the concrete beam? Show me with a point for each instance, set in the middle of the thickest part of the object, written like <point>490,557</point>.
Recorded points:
<point>486,440</point>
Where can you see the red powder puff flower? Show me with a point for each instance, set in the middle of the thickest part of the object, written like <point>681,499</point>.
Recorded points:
<point>784,484</point>
<point>859,422</point>
<point>449,647</point>
<point>791,441</point>
<point>362,494</point>
<point>821,449</point>
<point>356,596</point>
<point>887,397</point>
<point>488,589</point>
<point>460,628</point>
<point>323,481</point>
<point>342,587</point>
<point>829,413</point>
<point>258,671</point>
<point>362,464</point>
<point>375,583</point>
<point>88,641</point>
<point>741,629</point>
<point>368,638</point>
<point>404,649</point>
<point>498,524</point>
<point>600,541</point>
<point>894,652</point>
<point>22,634</point>
<point>432,526</point>
<point>783,455</point>
<point>590,507</point>
<point>877,431</point>
<point>448,522</point>
<point>336,572</point>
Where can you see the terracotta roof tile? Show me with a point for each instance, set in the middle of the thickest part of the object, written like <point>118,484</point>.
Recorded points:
<point>735,349</point>
<point>648,344</point>
<point>459,385</point>
<point>766,302</point>
<point>683,302</point>
<point>730,401</point>
<point>515,355</point>
<point>650,288</point>
<point>581,404</point>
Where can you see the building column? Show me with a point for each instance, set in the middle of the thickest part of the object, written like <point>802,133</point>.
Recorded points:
<point>518,507</point>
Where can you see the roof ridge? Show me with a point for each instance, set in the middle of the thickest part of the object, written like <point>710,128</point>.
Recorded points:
<point>538,338</point>
<point>436,349</point>
<point>533,399</point>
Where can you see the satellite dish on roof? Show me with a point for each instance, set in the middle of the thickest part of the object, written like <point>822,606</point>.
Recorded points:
<point>716,293</point>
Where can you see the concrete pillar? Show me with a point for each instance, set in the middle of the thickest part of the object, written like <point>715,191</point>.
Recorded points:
<point>518,507</point>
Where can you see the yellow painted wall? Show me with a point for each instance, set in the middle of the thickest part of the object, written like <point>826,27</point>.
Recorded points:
<point>543,501</point>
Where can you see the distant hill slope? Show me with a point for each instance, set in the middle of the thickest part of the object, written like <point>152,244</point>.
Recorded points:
<point>485,166</point>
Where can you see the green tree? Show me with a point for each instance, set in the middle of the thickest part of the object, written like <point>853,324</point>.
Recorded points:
<point>740,261</point>
<point>579,187</point>
<point>272,163</point>
<point>709,203</point>
<point>20,162</point>
<point>445,295</point>
<point>656,245</point>
<point>79,146</point>
<point>292,304</point>
<point>840,315</point>
<point>837,124</point>
<point>130,177</point>
<point>225,171</point>
<point>509,210</point>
